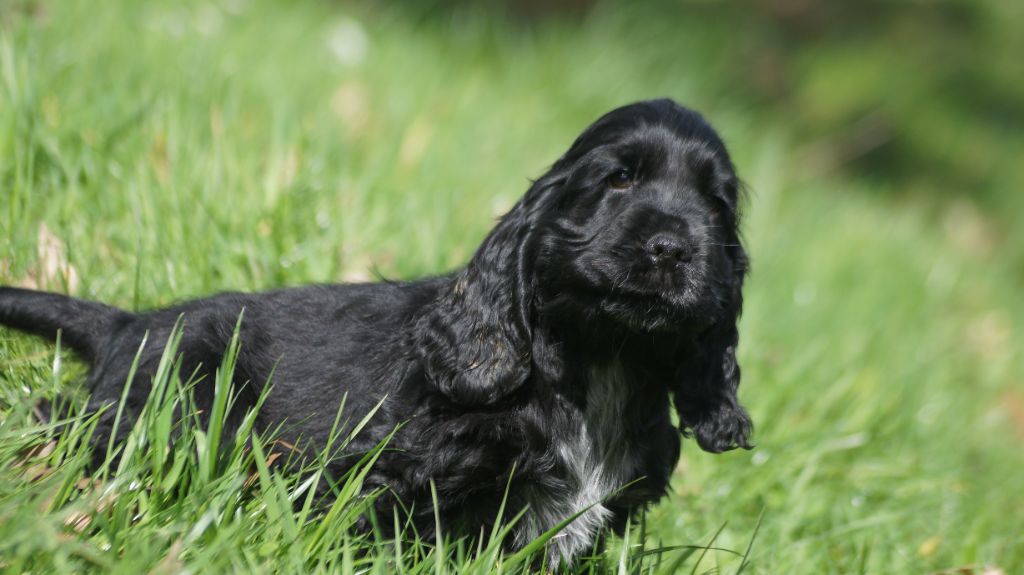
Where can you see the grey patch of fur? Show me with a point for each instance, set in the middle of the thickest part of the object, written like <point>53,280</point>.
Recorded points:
<point>598,462</point>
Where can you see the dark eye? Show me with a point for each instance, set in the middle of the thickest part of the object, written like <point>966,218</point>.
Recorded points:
<point>621,179</point>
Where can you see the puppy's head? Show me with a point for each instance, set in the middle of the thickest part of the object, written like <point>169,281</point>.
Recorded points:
<point>642,225</point>
<point>640,230</point>
<point>634,226</point>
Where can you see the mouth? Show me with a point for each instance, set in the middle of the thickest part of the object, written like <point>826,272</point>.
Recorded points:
<point>654,317</point>
<point>658,298</point>
<point>653,308</point>
<point>638,296</point>
<point>678,285</point>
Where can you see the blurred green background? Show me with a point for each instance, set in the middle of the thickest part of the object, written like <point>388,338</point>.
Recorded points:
<point>154,151</point>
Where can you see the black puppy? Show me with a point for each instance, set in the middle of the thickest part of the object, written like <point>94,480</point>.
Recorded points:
<point>608,293</point>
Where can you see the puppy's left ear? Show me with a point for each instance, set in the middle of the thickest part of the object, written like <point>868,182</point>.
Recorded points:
<point>709,410</point>
<point>706,387</point>
<point>475,339</point>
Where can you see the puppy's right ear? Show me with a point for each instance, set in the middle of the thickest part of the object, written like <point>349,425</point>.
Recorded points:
<point>469,357</point>
<point>475,339</point>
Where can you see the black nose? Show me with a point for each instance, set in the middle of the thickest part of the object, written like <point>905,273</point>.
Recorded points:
<point>667,250</point>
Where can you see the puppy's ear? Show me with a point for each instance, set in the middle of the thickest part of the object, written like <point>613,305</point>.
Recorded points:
<point>475,339</point>
<point>705,392</point>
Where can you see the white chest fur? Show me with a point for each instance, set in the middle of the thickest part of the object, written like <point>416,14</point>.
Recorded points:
<point>598,461</point>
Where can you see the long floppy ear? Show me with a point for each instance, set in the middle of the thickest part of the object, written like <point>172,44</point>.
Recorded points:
<point>705,392</point>
<point>475,339</point>
<point>705,396</point>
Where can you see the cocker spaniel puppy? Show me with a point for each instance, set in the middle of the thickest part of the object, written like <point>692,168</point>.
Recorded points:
<point>548,364</point>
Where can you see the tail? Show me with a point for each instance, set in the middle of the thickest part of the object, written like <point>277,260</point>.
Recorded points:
<point>83,325</point>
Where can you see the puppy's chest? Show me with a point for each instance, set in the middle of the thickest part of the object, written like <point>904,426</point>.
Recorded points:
<point>594,460</point>
<point>597,453</point>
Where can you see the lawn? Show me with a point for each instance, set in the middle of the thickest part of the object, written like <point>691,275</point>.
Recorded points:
<point>156,151</point>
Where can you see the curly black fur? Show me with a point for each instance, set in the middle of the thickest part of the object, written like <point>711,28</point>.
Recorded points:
<point>607,294</point>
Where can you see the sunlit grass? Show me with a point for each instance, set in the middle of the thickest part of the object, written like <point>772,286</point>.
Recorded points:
<point>151,152</point>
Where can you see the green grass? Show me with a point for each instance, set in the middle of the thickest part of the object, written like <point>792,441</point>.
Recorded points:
<point>166,150</point>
